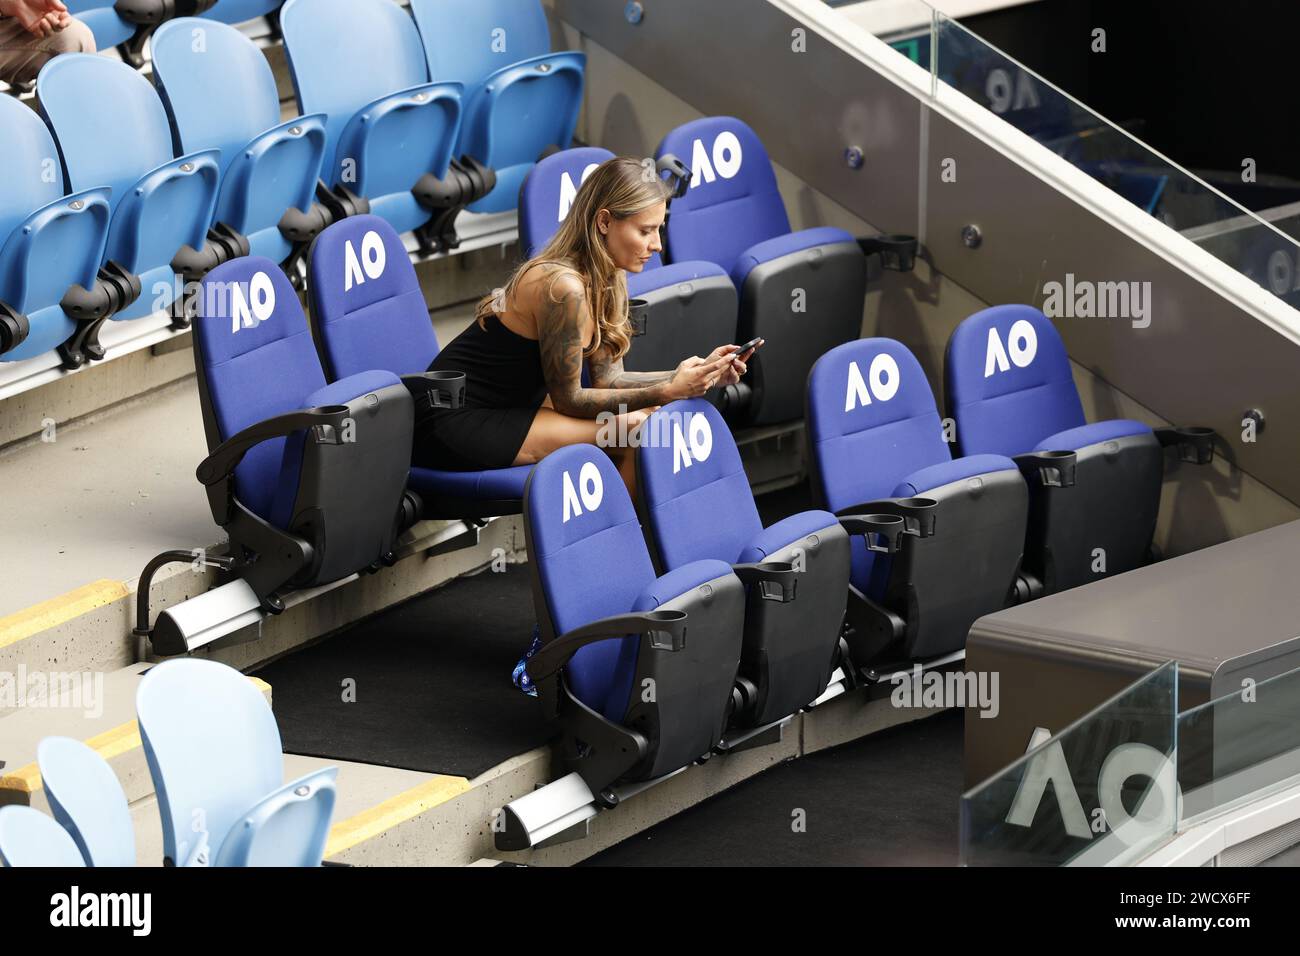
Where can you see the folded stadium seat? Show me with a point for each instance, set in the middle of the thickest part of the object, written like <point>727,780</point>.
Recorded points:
<point>877,449</point>
<point>127,24</point>
<point>390,133</point>
<point>240,11</point>
<point>367,312</point>
<point>30,838</point>
<point>632,697</point>
<point>802,292</point>
<point>112,131</point>
<point>521,101</point>
<point>690,307</point>
<point>696,504</point>
<point>1094,488</point>
<point>269,168</point>
<point>87,799</point>
<point>214,754</point>
<point>308,480</point>
<point>51,246</point>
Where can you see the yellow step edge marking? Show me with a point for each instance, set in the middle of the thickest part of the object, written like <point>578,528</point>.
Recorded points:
<point>40,617</point>
<point>384,816</point>
<point>111,743</point>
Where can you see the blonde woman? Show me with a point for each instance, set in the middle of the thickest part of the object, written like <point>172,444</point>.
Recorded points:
<point>524,354</point>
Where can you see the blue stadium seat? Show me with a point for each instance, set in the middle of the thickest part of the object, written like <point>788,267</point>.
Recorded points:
<point>520,101</point>
<point>240,11</point>
<point>128,24</point>
<point>112,131</point>
<point>1094,488</point>
<point>696,504</point>
<point>390,133</point>
<point>877,448</point>
<point>30,838</point>
<point>633,699</point>
<point>690,307</point>
<point>802,292</point>
<point>307,479</point>
<point>214,754</point>
<point>51,246</point>
<point>87,799</point>
<point>269,168</point>
<point>367,312</point>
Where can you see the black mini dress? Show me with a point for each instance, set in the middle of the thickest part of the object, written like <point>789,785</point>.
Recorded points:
<point>504,387</point>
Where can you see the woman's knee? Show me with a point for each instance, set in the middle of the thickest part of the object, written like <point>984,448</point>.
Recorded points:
<point>76,37</point>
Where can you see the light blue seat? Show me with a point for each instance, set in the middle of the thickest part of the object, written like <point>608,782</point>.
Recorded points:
<point>49,241</point>
<point>240,11</point>
<point>268,167</point>
<point>109,27</point>
<point>368,312</point>
<point>390,132</point>
<point>128,24</point>
<point>87,799</point>
<point>876,447</point>
<point>213,750</point>
<point>112,131</point>
<point>520,99</point>
<point>30,838</point>
<point>697,504</point>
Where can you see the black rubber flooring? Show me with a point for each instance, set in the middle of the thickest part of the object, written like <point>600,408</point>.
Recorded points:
<point>431,680</point>
<point>890,799</point>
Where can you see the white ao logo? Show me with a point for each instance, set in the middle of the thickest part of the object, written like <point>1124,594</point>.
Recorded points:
<point>569,189</point>
<point>882,381</point>
<point>695,445</point>
<point>726,159</point>
<point>373,257</point>
<point>590,488</point>
<point>244,314</point>
<point>1023,341</point>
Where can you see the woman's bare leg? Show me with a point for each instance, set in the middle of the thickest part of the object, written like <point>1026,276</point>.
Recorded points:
<point>551,430</point>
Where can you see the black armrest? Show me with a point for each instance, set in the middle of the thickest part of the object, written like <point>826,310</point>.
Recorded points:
<point>1195,444</point>
<point>775,579</point>
<point>436,389</point>
<point>917,513</point>
<point>897,253</point>
<point>679,174</point>
<point>1054,469</point>
<point>326,421</point>
<point>666,630</point>
<point>14,328</point>
<point>882,532</point>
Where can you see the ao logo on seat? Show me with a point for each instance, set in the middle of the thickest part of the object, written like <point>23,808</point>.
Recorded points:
<point>590,489</point>
<point>726,159</point>
<point>370,265</point>
<point>882,381</point>
<point>569,189</point>
<point>1023,341</point>
<point>695,445</point>
<point>255,306</point>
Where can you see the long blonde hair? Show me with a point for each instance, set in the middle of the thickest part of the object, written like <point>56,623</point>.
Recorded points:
<point>624,186</point>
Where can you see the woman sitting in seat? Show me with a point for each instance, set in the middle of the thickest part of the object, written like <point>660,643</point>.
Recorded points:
<point>524,354</point>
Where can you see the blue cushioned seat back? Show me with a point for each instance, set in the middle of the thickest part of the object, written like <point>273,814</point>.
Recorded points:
<point>187,78</point>
<point>697,498</point>
<point>258,361</point>
<point>366,302</point>
<point>30,838</point>
<point>110,125</point>
<point>591,560</point>
<point>108,26</point>
<point>733,201</point>
<point>212,746</point>
<point>345,53</point>
<point>237,11</point>
<point>548,193</point>
<point>465,41</point>
<point>1008,381</point>
<point>87,799</point>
